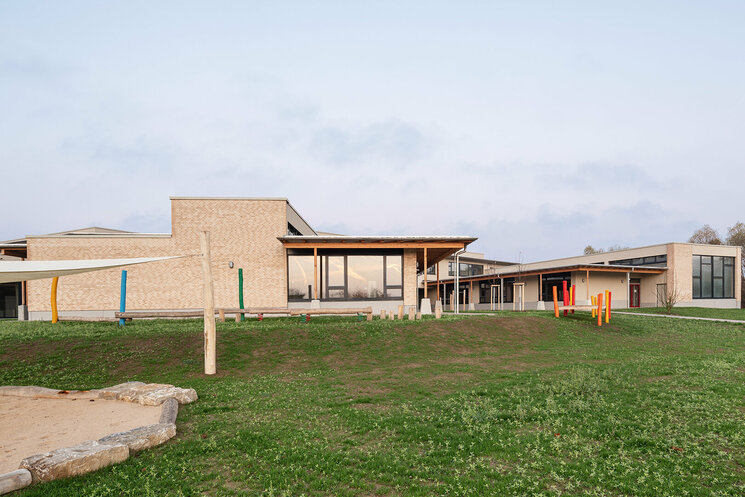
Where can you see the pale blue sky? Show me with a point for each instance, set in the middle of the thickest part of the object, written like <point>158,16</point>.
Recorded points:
<point>537,126</point>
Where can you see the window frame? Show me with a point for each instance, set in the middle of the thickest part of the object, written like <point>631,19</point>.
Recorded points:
<point>698,261</point>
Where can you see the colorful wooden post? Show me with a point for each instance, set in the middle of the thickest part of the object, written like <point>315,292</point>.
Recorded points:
<point>55,317</point>
<point>123,296</point>
<point>565,295</point>
<point>600,309</point>
<point>607,306</point>
<point>593,304</point>
<point>240,291</point>
<point>556,304</point>
<point>571,297</point>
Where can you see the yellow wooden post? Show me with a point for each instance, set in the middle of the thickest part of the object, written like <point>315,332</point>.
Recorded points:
<point>55,317</point>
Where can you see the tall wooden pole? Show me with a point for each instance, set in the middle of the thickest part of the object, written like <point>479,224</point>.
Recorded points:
<point>210,338</point>
<point>425,272</point>
<point>315,273</point>
<point>437,270</point>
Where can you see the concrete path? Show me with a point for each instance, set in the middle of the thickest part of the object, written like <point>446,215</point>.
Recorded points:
<point>739,321</point>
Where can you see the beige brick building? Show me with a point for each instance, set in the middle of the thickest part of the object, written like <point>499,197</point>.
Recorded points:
<point>285,263</point>
<point>701,275</point>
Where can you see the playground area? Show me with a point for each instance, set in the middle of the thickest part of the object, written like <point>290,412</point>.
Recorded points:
<point>511,404</point>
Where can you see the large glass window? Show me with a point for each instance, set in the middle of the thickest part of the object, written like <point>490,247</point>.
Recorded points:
<point>394,276</point>
<point>365,276</point>
<point>713,277</point>
<point>300,277</point>
<point>466,269</point>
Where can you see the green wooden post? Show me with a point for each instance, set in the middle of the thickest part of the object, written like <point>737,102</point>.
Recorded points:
<point>240,291</point>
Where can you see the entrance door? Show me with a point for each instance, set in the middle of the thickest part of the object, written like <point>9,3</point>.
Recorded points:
<point>634,290</point>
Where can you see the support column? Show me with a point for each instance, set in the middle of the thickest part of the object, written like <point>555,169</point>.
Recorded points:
<point>587,279</point>
<point>315,303</point>
<point>426,305</point>
<point>437,270</point>
<point>540,305</point>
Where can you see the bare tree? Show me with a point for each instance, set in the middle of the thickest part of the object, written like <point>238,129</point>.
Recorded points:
<point>706,234</point>
<point>670,298</point>
<point>736,237</point>
<point>589,250</point>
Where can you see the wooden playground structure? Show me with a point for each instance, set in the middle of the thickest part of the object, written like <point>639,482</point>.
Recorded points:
<point>595,306</point>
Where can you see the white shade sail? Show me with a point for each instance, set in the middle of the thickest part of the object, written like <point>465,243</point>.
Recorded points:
<point>13,271</point>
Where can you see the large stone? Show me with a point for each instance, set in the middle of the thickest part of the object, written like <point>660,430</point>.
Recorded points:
<point>28,391</point>
<point>169,411</point>
<point>72,461</point>
<point>143,437</point>
<point>112,393</point>
<point>154,394</point>
<point>15,480</point>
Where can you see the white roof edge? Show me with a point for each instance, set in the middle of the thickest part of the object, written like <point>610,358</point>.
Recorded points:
<point>106,235</point>
<point>230,198</point>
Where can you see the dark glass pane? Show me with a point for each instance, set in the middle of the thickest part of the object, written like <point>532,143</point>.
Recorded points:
<point>638,261</point>
<point>365,276</point>
<point>394,292</point>
<point>718,266</point>
<point>729,261</point>
<point>299,276</point>
<point>718,288</point>
<point>729,282</point>
<point>336,293</point>
<point>696,288</point>
<point>649,260</point>
<point>696,265</point>
<point>705,281</point>
<point>478,270</point>
<point>393,273</point>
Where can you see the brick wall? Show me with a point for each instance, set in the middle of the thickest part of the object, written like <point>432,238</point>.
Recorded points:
<point>242,231</point>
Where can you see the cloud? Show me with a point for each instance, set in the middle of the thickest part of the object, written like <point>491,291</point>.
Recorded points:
<point>388,142</point>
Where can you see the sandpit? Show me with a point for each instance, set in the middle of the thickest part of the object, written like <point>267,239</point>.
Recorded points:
<point>31,426</point>
<point>46,434</point>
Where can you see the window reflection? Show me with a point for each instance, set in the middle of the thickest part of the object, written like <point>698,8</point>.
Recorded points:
<point>300,277</point>
<point>365,276</point>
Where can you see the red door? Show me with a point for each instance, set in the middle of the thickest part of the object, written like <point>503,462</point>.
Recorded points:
<point>634,291</point>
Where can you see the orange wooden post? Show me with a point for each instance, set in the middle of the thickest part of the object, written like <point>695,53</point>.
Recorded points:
<point>571,297</point>
<point>607,307</point>
<point>600,309</point>
<point>556,304</point>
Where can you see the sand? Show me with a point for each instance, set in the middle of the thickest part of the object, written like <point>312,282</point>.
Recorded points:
<point>31,426</point>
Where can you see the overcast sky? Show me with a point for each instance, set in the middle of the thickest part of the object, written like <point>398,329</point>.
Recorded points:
<point>537,126</point>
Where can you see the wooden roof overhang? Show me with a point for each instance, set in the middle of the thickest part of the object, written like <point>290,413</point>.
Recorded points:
<point>593,268</point>
<point>438,248</point>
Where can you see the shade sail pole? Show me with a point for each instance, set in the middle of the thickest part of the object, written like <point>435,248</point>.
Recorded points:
<point>210,349</point>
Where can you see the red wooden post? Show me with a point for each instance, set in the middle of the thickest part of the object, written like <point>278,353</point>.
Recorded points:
<point>565,295</point>
<point>573,297</point>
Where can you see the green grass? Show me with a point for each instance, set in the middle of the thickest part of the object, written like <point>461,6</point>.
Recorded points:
<point>515,404</point>
<point>701,312</point>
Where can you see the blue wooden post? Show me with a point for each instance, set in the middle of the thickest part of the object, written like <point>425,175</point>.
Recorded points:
<point>123,296</point>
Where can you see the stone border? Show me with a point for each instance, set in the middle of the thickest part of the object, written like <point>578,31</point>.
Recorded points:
<point>111,449</point>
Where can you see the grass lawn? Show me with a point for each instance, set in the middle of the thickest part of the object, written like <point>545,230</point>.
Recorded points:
<point>514,404</point>
<point>701,312</point>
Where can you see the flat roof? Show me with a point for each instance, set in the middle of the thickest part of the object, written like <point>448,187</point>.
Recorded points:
<point>374,238</point>
<point>608,268</point>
